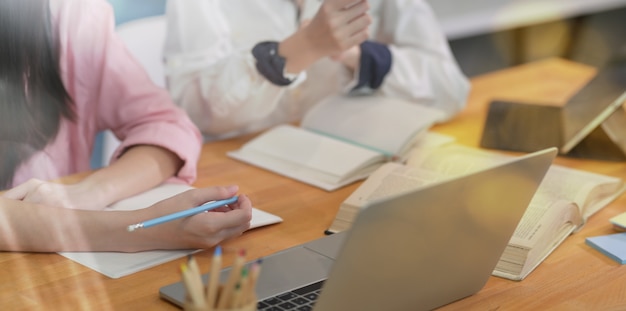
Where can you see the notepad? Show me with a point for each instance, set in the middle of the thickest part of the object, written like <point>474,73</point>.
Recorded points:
<point>117,264</point>
<point>619,222</point>
<point>612,245</point>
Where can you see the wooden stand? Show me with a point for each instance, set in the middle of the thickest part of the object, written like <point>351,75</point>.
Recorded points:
<point>530,127</point>
<point>592,124</point>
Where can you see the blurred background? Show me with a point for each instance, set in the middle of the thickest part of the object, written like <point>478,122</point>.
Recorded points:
<point>487,35</point>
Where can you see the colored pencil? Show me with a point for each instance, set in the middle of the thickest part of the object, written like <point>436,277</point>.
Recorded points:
<point>185,213</point>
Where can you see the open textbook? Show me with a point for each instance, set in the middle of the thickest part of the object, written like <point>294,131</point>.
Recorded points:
<point>340,140</point>
<point>118,264</point>
<point>563,202</point>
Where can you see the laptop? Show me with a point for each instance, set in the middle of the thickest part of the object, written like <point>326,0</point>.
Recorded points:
<point>592,124</point>
<point>417,250</point>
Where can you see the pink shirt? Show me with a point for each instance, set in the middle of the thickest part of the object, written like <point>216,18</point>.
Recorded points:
<point>110,90</point>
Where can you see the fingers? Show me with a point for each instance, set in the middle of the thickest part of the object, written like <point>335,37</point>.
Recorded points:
<point>21,191</point>
<point>355,12</point>
<point>357,21</point>
<point>348,26</point>
<point>356,32</point>
<point>231,219</point>
<point>200,196</point>
<point>242,203</point>
<point>214,227</point>
<point>344,4</point>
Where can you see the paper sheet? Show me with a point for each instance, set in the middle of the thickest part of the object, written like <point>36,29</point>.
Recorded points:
<point>117,264</point>
<point>612,245</point>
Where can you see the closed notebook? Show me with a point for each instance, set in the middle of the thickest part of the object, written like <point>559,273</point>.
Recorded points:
<point>117,264</point>
<point>612,245</point>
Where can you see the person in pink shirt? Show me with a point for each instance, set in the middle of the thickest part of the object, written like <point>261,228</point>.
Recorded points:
<point>64,76</point>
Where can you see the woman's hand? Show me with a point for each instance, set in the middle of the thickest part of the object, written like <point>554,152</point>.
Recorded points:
<point>202,230</point>
<point>349,58</point>
<point>81,195</point>
<point>338,26</point>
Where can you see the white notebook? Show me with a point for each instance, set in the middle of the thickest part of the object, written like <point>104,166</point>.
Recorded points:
<point>117,264</point>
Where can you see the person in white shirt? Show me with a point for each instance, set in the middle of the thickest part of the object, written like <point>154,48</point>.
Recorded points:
<point>240,66</point>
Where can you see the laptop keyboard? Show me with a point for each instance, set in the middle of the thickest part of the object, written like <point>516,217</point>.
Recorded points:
<point>301,299</point>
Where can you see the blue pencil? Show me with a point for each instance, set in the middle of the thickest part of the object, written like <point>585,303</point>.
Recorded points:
<point>189,212</point>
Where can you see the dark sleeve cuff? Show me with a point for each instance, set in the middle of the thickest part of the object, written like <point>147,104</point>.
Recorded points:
<point>269,63</point>
<point>374,65</point>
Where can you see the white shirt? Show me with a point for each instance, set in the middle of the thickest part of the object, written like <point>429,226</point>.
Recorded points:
<point>211,71</point>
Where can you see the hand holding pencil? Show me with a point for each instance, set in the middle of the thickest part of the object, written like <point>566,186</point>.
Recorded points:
<point>181,221</point>
<point>184,213</point>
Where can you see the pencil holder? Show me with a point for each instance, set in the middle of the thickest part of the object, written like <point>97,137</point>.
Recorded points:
<point>250,307</point>
<point>250,304</point>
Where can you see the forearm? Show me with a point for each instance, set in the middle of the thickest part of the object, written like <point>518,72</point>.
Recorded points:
<point>36,228</point>
<point>33,227</point>
<point>298,52</point>
<point>139,168</point>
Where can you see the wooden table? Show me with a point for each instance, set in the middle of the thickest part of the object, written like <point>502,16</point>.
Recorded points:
<point>574,277</point>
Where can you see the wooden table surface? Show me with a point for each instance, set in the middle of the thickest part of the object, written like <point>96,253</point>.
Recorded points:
<point>574,277</point>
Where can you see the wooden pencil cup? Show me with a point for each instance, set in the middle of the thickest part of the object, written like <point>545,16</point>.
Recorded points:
<point>250,305</point>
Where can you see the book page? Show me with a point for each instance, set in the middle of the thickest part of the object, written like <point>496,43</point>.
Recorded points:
<point>118,264</point>
<point>588,190</point>
<point>543,227</point>
<point>543,216</point>
<point>312,158</point>
<point>390,179</point>
<point>454,160</point>
<point>379,123</point>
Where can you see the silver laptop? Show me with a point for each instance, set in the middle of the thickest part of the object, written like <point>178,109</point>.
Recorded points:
<point>415,251</point>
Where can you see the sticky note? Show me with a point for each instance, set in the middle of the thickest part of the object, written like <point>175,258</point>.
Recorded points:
<point>612,245</point>
<point>619,222</point>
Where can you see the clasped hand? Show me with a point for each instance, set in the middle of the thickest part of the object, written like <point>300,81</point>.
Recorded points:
<point>338,26</point>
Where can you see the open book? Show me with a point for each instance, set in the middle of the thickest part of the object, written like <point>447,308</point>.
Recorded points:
<point>117,264</point>
<point>561,205</point>
<point>341,140</point>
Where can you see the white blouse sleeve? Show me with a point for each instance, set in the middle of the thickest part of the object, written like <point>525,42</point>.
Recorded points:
<point>216,84</point>
<point>423,68</point>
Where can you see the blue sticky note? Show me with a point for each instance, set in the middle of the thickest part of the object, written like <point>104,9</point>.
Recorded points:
<point>612,245</point>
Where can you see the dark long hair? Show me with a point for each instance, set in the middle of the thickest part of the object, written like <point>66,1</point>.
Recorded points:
<point>33,99</point>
